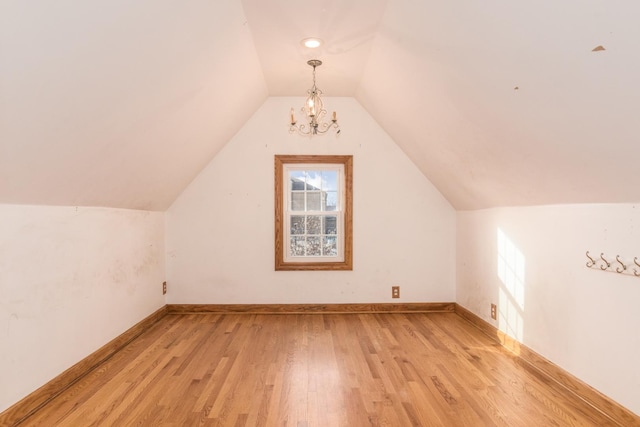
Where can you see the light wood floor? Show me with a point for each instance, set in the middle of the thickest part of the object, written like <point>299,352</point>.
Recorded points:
<point>315,370</point>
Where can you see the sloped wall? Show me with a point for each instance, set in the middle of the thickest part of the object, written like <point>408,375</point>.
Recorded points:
<point>220,231</point>
<point>71,279</point>
<point>531,262</point>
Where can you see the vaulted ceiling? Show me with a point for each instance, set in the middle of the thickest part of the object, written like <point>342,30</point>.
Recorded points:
<point>121,103</point>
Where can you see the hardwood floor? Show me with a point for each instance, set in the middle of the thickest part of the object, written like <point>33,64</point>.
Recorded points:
<point>315,370</point>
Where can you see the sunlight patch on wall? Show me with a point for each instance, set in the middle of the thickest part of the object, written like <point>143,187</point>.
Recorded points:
<point>511,272</point>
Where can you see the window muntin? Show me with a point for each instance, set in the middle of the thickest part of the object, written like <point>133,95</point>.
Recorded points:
<point>313,218</point>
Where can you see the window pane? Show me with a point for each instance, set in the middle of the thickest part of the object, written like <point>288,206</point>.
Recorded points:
<point>330,225</point>
<point>330,180</point>
<point>297,180</point>
<point>297,224</point>
<point>330,201</point>
<point>313,201</point>
<point>330,246</point>
<point>313,246</point>
<point>298,245</point>
<point>314,225</point>
<point>314,180</point>
<point>297,201</point>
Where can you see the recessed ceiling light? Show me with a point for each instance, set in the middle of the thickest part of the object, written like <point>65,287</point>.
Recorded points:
<point>311,42</point>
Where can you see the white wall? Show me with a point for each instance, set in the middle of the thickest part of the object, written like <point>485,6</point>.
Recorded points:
<point>220,230</point>
<point>585,320</point>
<point>71,279</point>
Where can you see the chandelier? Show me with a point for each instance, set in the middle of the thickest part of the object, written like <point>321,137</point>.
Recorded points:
<point>314,111</point>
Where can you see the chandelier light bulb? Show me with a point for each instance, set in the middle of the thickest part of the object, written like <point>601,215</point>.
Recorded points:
<point>311,107</point>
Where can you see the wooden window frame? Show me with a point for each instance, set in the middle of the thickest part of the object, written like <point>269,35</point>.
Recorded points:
<point>347,163</point>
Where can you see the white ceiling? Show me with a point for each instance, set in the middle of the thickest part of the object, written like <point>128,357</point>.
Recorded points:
<point>347,29</point>
<point>121,103</point>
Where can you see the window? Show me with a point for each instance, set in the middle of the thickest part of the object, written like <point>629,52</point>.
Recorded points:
<point>313,212</point>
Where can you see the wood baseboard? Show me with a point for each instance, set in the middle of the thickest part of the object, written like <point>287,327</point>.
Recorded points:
<point>616,412</point>
<point>18,412</point>
<point>311,308</point>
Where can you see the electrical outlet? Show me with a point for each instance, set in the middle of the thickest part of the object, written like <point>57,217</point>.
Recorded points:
<point>395,292</point>
<point>164,288</point>
<point>494,312</point>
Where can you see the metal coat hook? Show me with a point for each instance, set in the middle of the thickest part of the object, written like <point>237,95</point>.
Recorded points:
<point>602,267</point>
<point>624,267</point>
